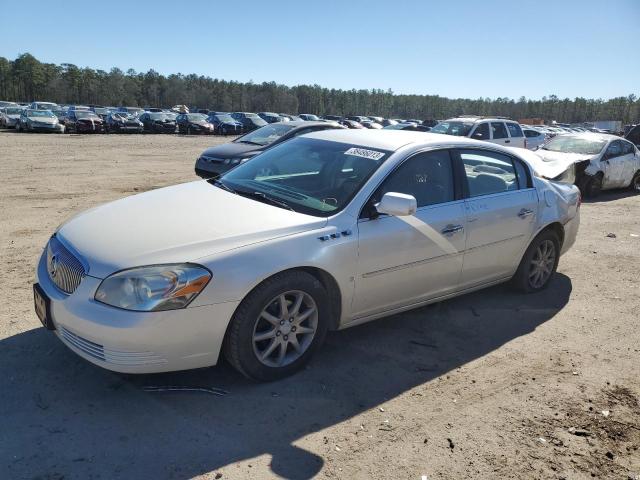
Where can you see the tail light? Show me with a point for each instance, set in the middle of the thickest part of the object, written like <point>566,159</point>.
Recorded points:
<point>579,199</point>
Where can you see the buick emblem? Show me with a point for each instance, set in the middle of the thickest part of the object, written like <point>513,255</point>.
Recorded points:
<point>53,266</point>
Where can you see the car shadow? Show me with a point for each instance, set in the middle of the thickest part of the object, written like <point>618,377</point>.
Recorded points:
<point>64,417</point>
<point>611,195</point>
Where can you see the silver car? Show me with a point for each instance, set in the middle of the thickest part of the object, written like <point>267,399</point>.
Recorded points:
<point>9,116</point>
<point>347,226</point>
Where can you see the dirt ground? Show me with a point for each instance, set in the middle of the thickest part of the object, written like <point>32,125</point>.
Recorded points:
<point>494,384</point>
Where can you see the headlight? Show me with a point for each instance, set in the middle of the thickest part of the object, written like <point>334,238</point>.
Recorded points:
<point>245,159</point>
<point>154,288</point>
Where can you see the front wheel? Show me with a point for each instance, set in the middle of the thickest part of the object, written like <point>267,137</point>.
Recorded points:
<point>592,186</point>
<point>539,263</point>
<point>635,183</point>
<point>278,326</point>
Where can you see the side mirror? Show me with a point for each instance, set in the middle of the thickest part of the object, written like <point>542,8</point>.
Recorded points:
<point>397,204</point>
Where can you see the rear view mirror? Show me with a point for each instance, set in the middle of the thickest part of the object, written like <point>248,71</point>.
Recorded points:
<point>397,204</point>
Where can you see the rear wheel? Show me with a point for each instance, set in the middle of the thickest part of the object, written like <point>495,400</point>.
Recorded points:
<point>278,326</point>
<point>539,263</point>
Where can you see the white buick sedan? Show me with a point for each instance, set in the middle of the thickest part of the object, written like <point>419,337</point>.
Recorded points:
<point>326,231</point>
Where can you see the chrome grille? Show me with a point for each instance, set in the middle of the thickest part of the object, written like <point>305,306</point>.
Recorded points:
<point>64,269</point>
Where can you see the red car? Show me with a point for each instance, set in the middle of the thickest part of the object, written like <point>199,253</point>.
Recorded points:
<point>83,121</point>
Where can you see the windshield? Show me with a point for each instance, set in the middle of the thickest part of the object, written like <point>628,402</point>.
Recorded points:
<point>40,113</point>
<point>311,117</point>
<point>265,135</point>
<point>571,144</point>
<point>197,117</point>
<point>459,129</point>
<point>158,116</point>
<point>13,111</point>
<point>100,110</point>
<point>86,114</point>
<point>315,177</point>
<point>224,118</point>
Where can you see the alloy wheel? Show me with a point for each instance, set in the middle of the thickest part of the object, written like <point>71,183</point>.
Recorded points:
<point>285,328</point>
<point>542,264</point>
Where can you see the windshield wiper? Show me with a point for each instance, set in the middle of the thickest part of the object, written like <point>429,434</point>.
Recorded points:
<point>262,197</point>
<point>251,143</point>
<point>224,186</point>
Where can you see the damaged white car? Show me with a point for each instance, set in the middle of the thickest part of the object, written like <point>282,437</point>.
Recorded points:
<point>347,226</point>
<point>592,161</point>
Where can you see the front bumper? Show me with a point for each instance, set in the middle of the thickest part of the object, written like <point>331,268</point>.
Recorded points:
<point>47,128</point>
<point>89,128</point>
<point>156,128</point>
<point>126,128</point>
<point>135,342</point>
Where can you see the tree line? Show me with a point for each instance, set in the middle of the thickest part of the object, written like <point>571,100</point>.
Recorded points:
<point>27,79</point>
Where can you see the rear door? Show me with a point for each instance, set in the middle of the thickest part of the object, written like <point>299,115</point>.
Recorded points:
<point>630,164</point>
<point>499,133</point>
<point>516,136</point>
<point>501,208</point>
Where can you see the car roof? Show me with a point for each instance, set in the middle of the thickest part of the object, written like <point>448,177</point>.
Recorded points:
<point>303,123</point>
<point>390,139</point>
<point>479,119</point>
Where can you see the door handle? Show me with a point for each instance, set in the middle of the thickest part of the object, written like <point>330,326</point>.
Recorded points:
<point>525,212</point>
<point>507,141</point>
<point>451,229</point>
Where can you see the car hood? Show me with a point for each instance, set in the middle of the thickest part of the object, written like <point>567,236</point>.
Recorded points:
<point>568,158</point>
<point>182,223</point>
<point>233,150</point>
<point>550,164</point>
<point>44,119</point>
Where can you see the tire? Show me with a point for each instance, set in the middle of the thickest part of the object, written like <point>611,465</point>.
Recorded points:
<point>244,345</point>
<point>524,280</point>
<point>635,182</point>
<point>18,127</point>
<point>188,130</point>
<point>592,186</point>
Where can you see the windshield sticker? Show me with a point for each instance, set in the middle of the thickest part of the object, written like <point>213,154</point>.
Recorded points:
<point>364,153</point>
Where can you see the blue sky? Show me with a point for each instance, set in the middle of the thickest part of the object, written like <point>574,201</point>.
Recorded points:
<point>489,48</point>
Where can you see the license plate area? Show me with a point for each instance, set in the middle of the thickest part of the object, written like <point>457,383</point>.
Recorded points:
<point>42,305</point>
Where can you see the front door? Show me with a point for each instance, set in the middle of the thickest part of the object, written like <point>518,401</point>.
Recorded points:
<point>501,211</point>
<point>404,260</point>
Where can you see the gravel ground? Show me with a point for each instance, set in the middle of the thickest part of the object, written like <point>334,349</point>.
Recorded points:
<point>490,385</point>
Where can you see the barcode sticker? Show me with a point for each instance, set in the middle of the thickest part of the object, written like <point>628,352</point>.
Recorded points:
<point>364,153</point>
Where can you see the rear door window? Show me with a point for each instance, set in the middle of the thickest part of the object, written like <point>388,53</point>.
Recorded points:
<point>627,148</point>
<point>490,172</point>
<point>498,130</point>
<point>514,129</point>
